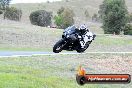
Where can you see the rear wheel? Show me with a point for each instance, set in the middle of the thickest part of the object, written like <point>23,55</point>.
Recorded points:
<point>58,47</point>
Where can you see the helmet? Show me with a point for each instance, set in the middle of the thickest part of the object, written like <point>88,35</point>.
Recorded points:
<point>83,29</point>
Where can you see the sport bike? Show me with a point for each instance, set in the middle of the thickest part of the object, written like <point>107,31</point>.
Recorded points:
<point>71,41</point>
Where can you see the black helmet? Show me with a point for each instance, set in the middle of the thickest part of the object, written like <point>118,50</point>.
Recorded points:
<point>83,29</point>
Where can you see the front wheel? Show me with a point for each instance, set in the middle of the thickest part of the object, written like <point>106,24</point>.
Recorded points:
<point>58,47</point>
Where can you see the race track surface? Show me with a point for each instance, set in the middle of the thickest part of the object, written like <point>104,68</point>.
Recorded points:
<point>28,53</point>
<point>35,53</point>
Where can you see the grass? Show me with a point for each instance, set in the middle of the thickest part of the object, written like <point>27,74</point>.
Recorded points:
<point>27,81</point>
<point>8,48</point>
<point>21,37</point>
<point>103,40</point>
<point>25,73</point>
<point>55,71</point>
<point>50,71</point>
<point>18,37</point>
<point>26,37</point>
<point>113,40</point>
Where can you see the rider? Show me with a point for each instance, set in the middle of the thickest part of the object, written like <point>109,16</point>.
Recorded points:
<point>83,31</point>
<point>83,34</point>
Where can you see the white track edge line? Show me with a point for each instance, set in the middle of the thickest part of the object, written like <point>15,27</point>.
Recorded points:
<point>68,54</point>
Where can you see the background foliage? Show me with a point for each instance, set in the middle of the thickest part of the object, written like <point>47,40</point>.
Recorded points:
<point>64,17</point>
<point>113,14</point>
<point>41,18</point>
<point>13,13</point>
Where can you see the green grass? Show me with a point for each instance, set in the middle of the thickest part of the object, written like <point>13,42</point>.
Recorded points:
<point>25,73</point>
<point>28,81</point>
<point>49,71</point>
<point>113,40</point>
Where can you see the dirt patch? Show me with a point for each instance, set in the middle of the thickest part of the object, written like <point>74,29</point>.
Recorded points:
<point>110,64</point>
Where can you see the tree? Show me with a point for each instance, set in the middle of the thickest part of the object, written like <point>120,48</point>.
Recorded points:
<point>58,21</point>
<point>113,15</point>
<point>128,29</point>
<point>13,13</point>
<point>64,18</point>
<point>67,16</point>
<point>41,18</point>
<point>4,4</point>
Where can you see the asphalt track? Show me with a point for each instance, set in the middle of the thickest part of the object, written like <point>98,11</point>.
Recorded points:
<point>30,53</point>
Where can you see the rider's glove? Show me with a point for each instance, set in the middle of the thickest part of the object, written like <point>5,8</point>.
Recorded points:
<point>80,38</point>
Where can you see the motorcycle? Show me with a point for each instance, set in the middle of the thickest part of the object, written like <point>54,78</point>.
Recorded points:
<point>70,41</point>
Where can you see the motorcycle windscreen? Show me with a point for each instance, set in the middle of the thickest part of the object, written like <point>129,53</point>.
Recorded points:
<point>70,30</point>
